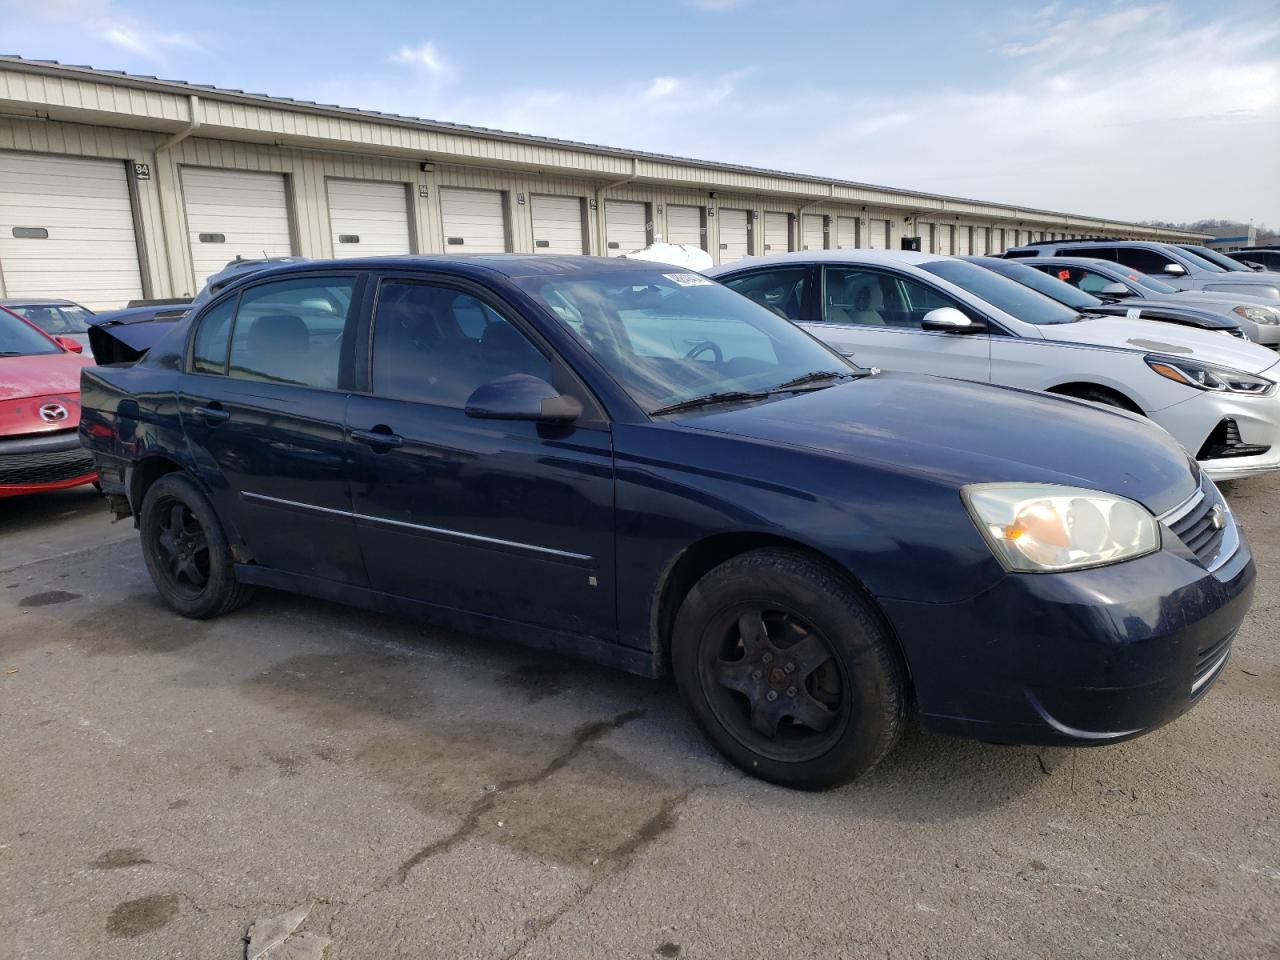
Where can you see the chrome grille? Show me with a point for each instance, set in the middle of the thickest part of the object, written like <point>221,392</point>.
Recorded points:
<point>1193,523</point>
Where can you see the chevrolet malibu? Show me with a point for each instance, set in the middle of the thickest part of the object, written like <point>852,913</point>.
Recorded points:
<point>630,463</point>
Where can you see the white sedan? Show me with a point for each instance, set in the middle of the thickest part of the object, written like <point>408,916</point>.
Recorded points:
<point>940,315</point>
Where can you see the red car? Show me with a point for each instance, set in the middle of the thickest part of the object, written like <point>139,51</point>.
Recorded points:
<point>39,410</point>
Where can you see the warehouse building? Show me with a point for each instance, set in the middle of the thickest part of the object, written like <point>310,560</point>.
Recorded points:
<point>116,187</point>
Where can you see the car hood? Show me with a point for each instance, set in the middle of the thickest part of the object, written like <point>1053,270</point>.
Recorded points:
<point>36,376</point>
<point>29,383</point>
<point>1225,300</point>
<point>1152,336</point>
<point>1258,284</point>
<point>961,432</point>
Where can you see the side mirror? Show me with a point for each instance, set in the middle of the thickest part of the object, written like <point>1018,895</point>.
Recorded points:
<point>950,320</point>
<point>1116,289</point>
<point>1175,269</point>
<point>522,397</point>
<point>67,343</point>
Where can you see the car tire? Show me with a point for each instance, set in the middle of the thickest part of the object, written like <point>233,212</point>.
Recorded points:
<point>186,551</point>
<point>788,670</point>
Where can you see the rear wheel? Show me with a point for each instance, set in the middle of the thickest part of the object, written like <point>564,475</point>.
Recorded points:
<point>186,551</point>
<point>787,671</point>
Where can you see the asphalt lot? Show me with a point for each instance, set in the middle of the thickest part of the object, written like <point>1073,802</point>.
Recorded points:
<point>164,784</point>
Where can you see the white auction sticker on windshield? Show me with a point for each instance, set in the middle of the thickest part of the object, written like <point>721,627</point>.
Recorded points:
<point>688,279</point>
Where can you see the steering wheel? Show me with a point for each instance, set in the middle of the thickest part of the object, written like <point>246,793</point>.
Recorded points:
<point>704,345</point>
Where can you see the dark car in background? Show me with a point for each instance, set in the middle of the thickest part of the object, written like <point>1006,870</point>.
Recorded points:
<point>1266,257</point>
<point>632,463</point>
<point>1258,318</point>
<point>1074,296</point>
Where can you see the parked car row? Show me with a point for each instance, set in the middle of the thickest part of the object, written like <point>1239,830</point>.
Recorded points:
<point>740,482</point>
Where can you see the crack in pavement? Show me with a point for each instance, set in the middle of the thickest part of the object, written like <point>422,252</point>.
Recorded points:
<point>619,859</point>
<point>579,740</point>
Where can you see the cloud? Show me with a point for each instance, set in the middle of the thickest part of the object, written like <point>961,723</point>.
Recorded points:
<point>425,57</point>
<point>147,43</point>
<point>104,20</point>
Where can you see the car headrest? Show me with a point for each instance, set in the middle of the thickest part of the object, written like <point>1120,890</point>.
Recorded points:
<point>278,333</point>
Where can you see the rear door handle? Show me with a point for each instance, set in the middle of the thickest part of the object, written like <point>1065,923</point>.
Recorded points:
<point>213,413</point>
<point>378,437</point>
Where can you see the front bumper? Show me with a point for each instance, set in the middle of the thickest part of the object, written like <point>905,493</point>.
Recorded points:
<point>1082,658</point>
<point>43,462</point>
<point>1257,419</point>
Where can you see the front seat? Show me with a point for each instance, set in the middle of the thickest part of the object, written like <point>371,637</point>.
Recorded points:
<point>867,301</point>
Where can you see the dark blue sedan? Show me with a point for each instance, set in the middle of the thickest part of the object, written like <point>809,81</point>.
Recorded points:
<point>633,464</point>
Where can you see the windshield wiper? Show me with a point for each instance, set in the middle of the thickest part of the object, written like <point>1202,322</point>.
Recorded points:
<point>11,353</point>
<point>693,403</point>
<point>817,376</point>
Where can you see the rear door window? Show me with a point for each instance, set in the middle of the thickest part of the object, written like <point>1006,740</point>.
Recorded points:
<point>1143,260</point>
<point>209,355</point>
<point>292,331</point>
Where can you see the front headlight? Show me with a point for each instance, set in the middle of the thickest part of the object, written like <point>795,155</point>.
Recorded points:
<point>1046,528</point>
<point>1206,376</point>
<point>1258,314</point>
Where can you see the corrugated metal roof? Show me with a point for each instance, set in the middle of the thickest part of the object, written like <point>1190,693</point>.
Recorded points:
<point>187,88</point>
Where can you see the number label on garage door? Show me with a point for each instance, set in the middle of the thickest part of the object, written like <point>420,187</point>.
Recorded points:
<point>142,171</point>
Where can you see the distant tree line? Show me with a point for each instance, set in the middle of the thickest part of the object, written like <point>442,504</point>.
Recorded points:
<point>1222,228</point>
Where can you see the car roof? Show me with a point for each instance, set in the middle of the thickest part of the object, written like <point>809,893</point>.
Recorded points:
<point>509,265</point>
<point>912,257</point>
<point>37,302</point>
<point>1077,261</point>
<point>1071,244</point>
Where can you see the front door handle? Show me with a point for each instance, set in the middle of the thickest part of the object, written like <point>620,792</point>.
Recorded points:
<point>379,436</point>
<point>212,413</point>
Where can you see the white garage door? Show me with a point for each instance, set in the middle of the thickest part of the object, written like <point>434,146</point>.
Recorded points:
<point>925,232</point>
<point>777,233</point>
<point>944,239</point>
<point>684,226</point>
<point>557,225</point>
<point>812,236</point>
<point>624,227</point>
<point>879,234</point>
<point>846,233</point>
<point>962,241</point>
<point>733,235</point>
<point>233,213</point>
<point>66,230</point>
<point>980,241</point>
<point>368,218</point>
<point>473,221</point>
<point>997,240</point>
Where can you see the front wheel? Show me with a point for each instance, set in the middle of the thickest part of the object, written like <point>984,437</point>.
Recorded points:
<point>787,671</point>
<point>186,551</point>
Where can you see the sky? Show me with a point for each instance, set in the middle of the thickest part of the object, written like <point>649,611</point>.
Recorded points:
<point>1138,111</point>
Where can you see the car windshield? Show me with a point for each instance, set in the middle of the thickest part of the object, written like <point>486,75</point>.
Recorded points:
<point>668,336</point>
<point>1213,256</point>
<point>56,319</point>
<point>18,339</point>
<point>1199,261</point>
<point>1051,287</point>
<point>1008,295</point>
<point>1150,282</point>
